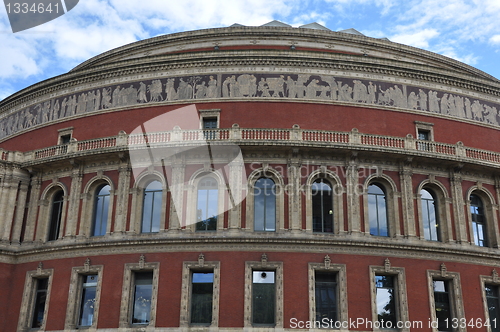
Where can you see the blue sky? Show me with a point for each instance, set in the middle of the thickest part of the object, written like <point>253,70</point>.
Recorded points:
<point>466,30</point>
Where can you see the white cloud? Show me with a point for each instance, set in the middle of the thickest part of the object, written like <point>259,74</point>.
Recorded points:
<point>495,40</point>
<point>419,39</point>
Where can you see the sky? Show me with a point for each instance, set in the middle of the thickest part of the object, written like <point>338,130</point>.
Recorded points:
<point>465,30</point>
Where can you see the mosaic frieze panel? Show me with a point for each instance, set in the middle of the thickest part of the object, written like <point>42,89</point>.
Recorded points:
<point>302,86</point>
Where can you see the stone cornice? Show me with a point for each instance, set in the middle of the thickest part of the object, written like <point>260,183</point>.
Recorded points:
<point>282,241</point>
<point>77,80</point>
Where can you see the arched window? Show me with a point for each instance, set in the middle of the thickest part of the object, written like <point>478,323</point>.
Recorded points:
<point>430,218</point>
<point>322,206</point>
<point>207,205</point>
<point>264,205</point>
<point>478,221</point>
<point>151,208</point>
<point>56,215</point>
<point>101,208</point>
<point>377,210</point>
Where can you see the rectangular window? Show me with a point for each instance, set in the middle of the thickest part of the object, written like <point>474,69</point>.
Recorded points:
<point>202,291</point>
<point>40,301</point>
<point>263,298</point>
<point>88,300</point>
<point>143,291</point>
<point>386,299</point>
<point>209,124</point>
<point>442,304</point>
<point>326,296</point>
<point>492,301</point>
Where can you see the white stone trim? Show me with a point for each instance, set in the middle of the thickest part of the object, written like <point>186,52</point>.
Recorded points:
<point>267,172</point>
<point>29,298</point>
<point>200,266</point>
<point>400,284</point>
<point>337,196</point>
<point>75,294</point>
<point>127,292</point>
<point>278,268</point>
<point>342,304</point>
<point>88,205</point>
<point>455,292</point>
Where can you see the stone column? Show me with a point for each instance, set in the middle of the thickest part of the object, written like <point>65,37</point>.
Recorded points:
<point>74,201</point>
<point>177,194</point>
<point>122,198</point>
<point>293,191</point>
<point>36,183</point>
<point>353,196</point>
<point>458,206</point>
<point>8,206</point>
<point>405,176</point>
<point>20,211</point>
<point>235,189</point>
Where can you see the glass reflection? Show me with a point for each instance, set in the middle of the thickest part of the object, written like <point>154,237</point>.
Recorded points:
<point>101,206</point>
<point>207,206</point>
<point>478,221</point>
<point>322,206</point>
<point>264,205</point>
<point>386,301</point>
<point>429,216</point>
<point>151,213</point>
<point>89,288</point>
<point>143,291</point>
<point>377,211</point>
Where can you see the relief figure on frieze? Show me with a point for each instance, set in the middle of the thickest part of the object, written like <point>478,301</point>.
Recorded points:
<point>332,88</point>
<point>412,101</point>
<point>264,88</point>
<point>345,91</point>
<point>360,92</point>
<point>170,89</point>
<point>433,101</point>
<point>106,98</point>
<point>155,91</point>
<point>477,110</point>
<point>422,100</point>
<point>291,90</point>
<point>247,85</point>
<point>276,85</point>
<point>201,90</point>
<point>142,97</point>
<point>212,88</point>
<point>372,93</point>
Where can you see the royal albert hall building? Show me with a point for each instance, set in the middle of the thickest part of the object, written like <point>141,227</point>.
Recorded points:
<point>253,179</point>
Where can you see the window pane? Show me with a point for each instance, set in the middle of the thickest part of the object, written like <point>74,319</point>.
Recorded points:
<point>263,298</point>
<point>493,306</point>
<point>326,296</point>
<point>264,205</point>
<point>322,206</point>
<point>40,299</point>
<point>202,296</point>
<point>143,291</point>
<point>89,289</point>
<point>429,216</point>
<point>377,211</point>
<point>101,210</point>
<point>56,215</point>
<point>386,299</point>
<point>442,304</point>
<point>478,221</point>
<point>152,205</point>
<point>207,206</point>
